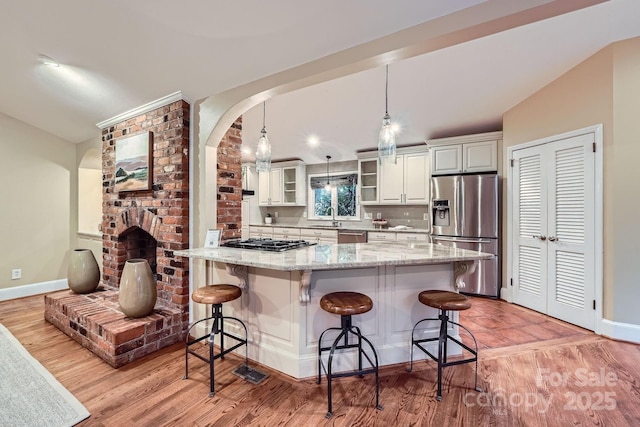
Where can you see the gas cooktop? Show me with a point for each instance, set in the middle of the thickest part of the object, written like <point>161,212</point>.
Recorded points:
<point>267,244</point>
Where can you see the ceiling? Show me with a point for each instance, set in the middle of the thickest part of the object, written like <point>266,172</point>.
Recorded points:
<point>118,55</point>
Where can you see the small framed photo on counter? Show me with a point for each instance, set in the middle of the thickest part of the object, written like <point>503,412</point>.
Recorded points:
<point>213,238</point>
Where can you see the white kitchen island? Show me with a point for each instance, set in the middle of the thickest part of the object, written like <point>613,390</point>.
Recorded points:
<point>282,290</point>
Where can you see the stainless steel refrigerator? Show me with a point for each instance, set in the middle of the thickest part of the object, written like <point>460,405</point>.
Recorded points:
<point>464,214</point>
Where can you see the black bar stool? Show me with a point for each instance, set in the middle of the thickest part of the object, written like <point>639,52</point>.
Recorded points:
<point>346,304</point>
<point>445,301</point>
<point>215,295</point>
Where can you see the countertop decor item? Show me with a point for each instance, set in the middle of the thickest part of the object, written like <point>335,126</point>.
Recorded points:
<point>83,274</point>
<point>138,291</point>
<point>379,223</point>
<point>268,219</point>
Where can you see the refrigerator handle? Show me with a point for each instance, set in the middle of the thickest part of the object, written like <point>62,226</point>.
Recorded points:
<point>461,240</point>
<point>461,210</point>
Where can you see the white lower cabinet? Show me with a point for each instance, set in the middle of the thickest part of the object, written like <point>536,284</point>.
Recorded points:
<point>381,236</point>
<point>412,237</point>
<point>257,232</point>
<point>319,236</point>
<point>286,233</point>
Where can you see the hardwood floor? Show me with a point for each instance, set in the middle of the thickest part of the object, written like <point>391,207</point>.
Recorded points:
<point>534,370</point>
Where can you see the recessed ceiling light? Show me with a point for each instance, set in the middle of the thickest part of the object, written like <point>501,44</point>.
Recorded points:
<point>48,61</point>
<point>313,140</point>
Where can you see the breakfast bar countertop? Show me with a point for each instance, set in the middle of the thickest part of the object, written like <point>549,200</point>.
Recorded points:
<point>338,256</point>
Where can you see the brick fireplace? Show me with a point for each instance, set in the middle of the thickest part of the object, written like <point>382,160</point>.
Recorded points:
<point>147,224</point>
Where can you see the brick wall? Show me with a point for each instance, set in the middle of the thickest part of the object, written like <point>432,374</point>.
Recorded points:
<point>161,212</point>
<point>229,182</point>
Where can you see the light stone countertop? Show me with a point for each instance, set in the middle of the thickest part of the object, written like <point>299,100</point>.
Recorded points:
<point>338,256</point>
<point>344,226</point>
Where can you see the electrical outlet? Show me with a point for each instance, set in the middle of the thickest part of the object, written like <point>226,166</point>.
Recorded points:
<point>425,216</point>
<point>378,215</point>
<point>16,274</point>
<point>276,214</point>
<point>368,215</point>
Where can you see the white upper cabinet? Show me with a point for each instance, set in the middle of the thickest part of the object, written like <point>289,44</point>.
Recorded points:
<point>416,178</point>
<point>465,154</point>
<point>446,159</point>
<point>270,187</point>
<point>294,185</point>
<point>480,156</point>
<point>407,181</point>
<point>284,185</point>
<point>368,180</point>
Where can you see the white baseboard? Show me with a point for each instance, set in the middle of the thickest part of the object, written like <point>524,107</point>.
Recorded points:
<point>33,289</point>
<point>505,294</point>
<point>620,331</point>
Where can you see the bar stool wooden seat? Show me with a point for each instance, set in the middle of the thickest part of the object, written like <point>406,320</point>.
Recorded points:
<point>346,304</point>
<point>216,295</point>
<point>445,301</point>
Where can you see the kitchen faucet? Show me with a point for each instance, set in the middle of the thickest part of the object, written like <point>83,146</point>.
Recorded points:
<point>333,217</point>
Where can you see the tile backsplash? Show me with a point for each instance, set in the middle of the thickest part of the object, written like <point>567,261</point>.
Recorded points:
<point>411,216</point>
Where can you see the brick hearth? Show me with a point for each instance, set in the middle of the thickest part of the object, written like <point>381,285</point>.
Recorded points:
<point>95,321</point>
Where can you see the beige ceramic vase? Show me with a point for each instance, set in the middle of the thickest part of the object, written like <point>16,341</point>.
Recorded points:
<point>138,292</point>
<point>83,275</point>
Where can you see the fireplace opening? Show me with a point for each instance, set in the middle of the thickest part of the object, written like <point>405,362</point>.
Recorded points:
<point>137,243</point>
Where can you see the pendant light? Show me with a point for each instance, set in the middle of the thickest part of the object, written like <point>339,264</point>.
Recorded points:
<point>263,152</point>
<point>387,137</point>
<point>327,187</point>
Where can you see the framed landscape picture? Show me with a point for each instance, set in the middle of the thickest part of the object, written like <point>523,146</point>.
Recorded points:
<point>133,162</point>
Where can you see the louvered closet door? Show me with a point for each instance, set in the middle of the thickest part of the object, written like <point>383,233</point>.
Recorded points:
<point>554,229</point>
<point>570,240</point>
<point>530,225</point>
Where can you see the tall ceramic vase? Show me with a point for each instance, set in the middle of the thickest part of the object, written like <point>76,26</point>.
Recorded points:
<point>138,292</point>
<point>83,274</point>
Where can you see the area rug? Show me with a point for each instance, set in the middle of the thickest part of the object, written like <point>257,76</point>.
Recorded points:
<point>29,394</point>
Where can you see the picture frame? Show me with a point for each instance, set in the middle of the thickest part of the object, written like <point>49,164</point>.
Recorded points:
<point>213,238</point>
<point>133,171</point>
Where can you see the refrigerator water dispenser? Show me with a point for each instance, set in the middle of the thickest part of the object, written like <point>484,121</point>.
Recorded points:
<point>440,213</point>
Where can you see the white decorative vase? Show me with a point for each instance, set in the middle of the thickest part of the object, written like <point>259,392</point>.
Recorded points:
<point>138,291</point>
<point>267,220</point>
<point>83,274</point>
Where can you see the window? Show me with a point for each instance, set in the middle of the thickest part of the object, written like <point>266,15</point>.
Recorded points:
<point>339,200</point>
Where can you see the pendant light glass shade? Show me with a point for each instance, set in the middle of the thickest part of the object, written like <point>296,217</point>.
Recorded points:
<point>387,136</point>
<point>263,152</point>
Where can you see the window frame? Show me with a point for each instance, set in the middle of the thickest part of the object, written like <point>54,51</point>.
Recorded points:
<point>334,198</point>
